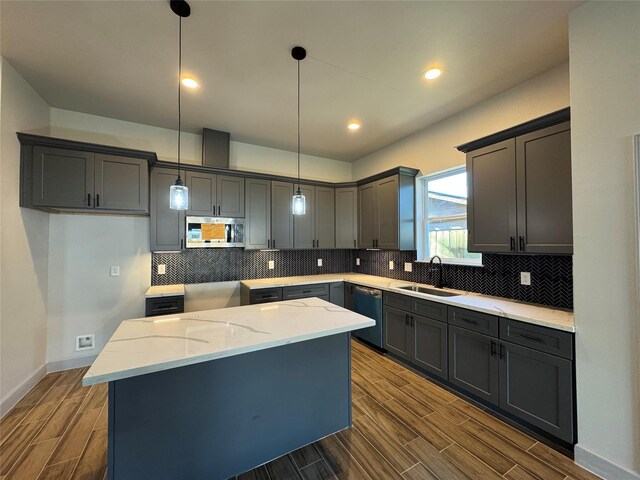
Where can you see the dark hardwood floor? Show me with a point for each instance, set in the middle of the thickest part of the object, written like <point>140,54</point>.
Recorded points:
<point>404,428</point>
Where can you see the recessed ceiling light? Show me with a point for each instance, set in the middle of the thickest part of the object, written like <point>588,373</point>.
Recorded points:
<point>190,82</point>
<point>433,72</point>
<point>353,125</point>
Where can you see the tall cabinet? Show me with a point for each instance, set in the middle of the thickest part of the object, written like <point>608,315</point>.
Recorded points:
<point>346,217</point>
<point>257,214</point>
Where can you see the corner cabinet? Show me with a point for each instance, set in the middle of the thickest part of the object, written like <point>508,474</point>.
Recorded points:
<point>519,188</point>
<point>346,217</point>
<point>63,175</point>
<point>386,212</point>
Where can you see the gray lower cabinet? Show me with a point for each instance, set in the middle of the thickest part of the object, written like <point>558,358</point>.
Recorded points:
<point>331,292</point>
<point>430,345</point>
<point>213,195</point>
<point>166,226</point>
<point>397,332</point>
<point>337,293</point>
<point>257,214</point>
<point>349,292</point>
<point>319,290</point>
<point>346,208</point>
<point>281,215</point>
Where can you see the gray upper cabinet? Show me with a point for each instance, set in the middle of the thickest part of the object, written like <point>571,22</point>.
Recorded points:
<point>167,225</point>
<point>281,215</point>
<point>519,188</point>
<point>258,214</point>
<point>325,217</point>
<point>215,195</point>
<point>386,215</point>
<point>304,225</point>
<point>121,183</point>
<point>346,211</point>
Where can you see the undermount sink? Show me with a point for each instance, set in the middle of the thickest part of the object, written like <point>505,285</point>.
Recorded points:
<point>431,291</point>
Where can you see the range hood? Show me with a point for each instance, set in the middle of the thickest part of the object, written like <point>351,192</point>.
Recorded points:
<point>215,148</point>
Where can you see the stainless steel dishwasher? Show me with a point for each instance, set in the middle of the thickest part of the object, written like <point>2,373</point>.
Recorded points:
<point>368,302</point>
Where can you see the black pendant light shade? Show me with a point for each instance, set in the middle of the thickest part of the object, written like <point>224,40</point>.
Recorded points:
<point>298,202</point>
<point>180,8</point>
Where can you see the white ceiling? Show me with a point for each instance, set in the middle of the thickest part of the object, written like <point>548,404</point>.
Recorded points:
<point>119,60</point>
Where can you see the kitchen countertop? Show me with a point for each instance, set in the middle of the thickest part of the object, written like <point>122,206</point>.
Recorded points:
<point>154,344</point>
<point>502,307</point>
<point>165,291</point>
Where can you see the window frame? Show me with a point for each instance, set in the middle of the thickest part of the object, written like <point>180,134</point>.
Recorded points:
<point>423,217</point>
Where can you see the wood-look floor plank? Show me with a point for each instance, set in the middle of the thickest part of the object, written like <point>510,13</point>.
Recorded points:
<point>435,463</point>
<point>367,373</point>
<point>434,436</point>
<point>96,397</point>
<point>371,461</point>
<point>59,471</point>
<point>259,473</point>
<point>423,394</point>
<point>469,464</point>
<point>394,426</point>
<point>356,410</point>
<point>12,419</point>
<point>374,392</point>
<point>356,391</point>
<point>453,415</point>
<point>39,390</point>
<point>519,473</point>
<point>77,390</point>
<point>16,444</point>
<point>392,451</point>
<point>48,404</point>
<point>480,449</point>
<point>509,450</point>
<point>416,406</point>
<point>93,462</point>
<point>305,456</point>
<point>419,472</point>
<point>339,460</point>
<point>75,438</point>
<point>60,420</point>
<point>317,471</point>
<point>282,469</point>
<point>31,463</point>
<point>561,463</point>
<point>520,439</point>
<point>67,377</point>
<point>381,371</point>
<point>103,418</point>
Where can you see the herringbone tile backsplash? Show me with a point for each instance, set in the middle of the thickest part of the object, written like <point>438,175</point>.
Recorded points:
<point>551,276</point>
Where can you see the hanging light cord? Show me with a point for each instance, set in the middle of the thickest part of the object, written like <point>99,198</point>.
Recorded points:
<point>298,125</point>
<point>179,90</point>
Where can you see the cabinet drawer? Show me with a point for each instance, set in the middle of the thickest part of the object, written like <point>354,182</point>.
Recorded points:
<point>548,340</point>
<point>164,305</point>
<point>306,291</point>
<point>265,295</point>
<point>476,321</point>
<point>426,308</point>
<point>398,301</point>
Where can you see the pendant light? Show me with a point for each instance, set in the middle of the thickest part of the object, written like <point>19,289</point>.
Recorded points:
<point>178,193</point>
<point>298,203</point>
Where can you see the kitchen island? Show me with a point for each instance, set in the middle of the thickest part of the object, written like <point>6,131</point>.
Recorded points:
<point>215,393</point>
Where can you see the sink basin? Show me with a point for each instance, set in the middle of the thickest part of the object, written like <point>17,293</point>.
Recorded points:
<point>431,291</point>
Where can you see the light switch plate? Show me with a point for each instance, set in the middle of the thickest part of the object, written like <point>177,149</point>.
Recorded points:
<point>162,269</point>
<point>272,264</point>
<point>525,278</point>
<point>319,262</point>
<point>390,264</point>
<point>115,271</point>
<point>358,261</point>
<point>408,267</point>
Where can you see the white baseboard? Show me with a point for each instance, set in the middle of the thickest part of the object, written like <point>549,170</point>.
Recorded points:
<point>69,363</point>
<point>21,390</point>
<point>601,466</point>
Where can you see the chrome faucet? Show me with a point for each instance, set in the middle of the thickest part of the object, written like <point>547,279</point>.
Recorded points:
<point>439,282</point>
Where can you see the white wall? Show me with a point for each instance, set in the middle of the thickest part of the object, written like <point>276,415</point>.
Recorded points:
<point>432,150</point>
<point>604,42</point>
<point>24,246</point>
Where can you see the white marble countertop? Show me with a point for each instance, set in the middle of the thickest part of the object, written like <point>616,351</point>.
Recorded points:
<point>502,307</point>
<point>153,344</point>
<point>165,291</point>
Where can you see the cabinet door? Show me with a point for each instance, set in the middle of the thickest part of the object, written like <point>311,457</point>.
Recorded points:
<point>491,203</point>
<point>303,225</point>
<point>349,291</point>
<point>202,194</point>
<point>281,216</point>
<point>473,364</point>
<point>430,345</point>
<point>543,165</point>
<point>230,196</point>
<point>538,388</point>
<point>121,183</point>
<point>258,214</point>
<point>63,178</point>
<point>166,225</point>
<point>346,217</point>
<point>336,293</point>
<point>325,220</point>
<point>397,331</point>
<point>387,213</point>
<point>367,218</point>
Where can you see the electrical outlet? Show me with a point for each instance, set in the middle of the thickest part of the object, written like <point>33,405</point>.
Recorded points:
<point>272,264</point>
<point>115,271</point>
<point>525,278</point>
<point>319,262</point>
<point>85,342</point>
<point>408,267</point>
<point>390,264</point>
<point>358,261</point>
<point>162,269</point>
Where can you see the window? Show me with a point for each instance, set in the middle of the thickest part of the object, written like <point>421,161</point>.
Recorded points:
<point>444,226</point>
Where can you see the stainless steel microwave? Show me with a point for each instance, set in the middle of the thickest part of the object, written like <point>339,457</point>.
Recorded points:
<point>215,232</point>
